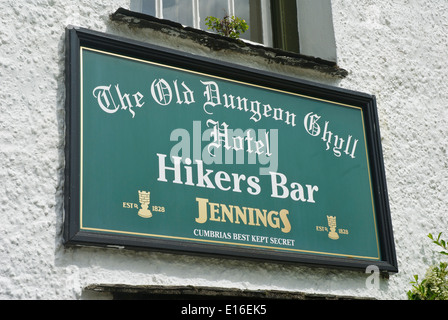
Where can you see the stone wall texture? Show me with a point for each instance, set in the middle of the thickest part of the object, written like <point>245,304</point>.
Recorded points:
<point>396,50</point>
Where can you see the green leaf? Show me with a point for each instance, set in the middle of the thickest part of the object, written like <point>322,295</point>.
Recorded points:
<point>228,26</point>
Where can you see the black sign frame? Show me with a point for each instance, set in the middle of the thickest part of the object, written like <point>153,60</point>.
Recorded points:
<point>73,235</point>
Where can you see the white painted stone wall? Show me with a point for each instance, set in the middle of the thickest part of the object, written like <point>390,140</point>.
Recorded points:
<point>396,50</point>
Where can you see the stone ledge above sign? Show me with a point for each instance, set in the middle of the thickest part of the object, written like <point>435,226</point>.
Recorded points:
<point>217,42</point>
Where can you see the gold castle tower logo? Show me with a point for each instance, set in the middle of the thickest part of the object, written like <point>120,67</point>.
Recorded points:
<point>332,224</point>
<point>144,198</point>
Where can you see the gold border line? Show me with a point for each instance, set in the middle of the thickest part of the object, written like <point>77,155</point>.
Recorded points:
<point>370,184</point>
<point>81,142</point>
<point>217,77</point>
<point>234,81</point>
<point>228,243</point>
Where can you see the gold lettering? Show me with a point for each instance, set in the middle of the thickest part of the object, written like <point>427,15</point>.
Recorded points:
<point>251,216</point>
<point>261,216</point>
<point>241,214</point>
<point>219,212</point>
<point>214,209</point>
<point>284,217</point>
<point>226,212</point>
<point>202,209</point>
<point>273,222</point>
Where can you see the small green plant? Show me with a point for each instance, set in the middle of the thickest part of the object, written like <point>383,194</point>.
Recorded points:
<point>435,284</point>
<point>229,26</point>
<point>440,242</point>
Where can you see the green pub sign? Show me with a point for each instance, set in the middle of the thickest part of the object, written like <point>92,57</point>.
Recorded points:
<point>167,151</point>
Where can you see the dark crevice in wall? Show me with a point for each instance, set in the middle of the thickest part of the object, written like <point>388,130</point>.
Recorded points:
<point>128,292</point>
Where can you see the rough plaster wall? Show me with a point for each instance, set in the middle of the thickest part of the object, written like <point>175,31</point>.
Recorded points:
<point>396,51</point>
<point>32,144</point>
